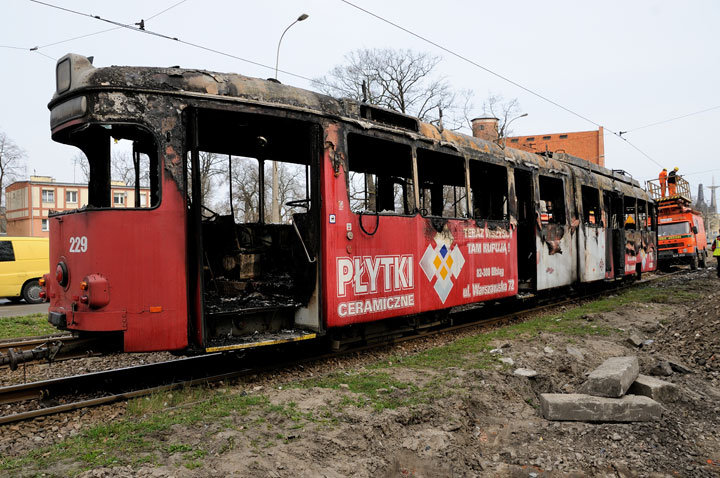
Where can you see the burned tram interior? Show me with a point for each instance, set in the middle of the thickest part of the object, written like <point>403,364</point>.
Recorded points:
<point>259,259</point>
<point>117,155</point>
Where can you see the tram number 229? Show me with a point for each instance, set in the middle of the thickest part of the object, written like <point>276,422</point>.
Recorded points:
<point>78,244</point>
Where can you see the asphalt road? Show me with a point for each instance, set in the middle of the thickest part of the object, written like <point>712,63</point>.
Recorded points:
<point>9,309</point>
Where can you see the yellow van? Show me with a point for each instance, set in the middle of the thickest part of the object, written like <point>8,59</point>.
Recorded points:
<point>23,260</point>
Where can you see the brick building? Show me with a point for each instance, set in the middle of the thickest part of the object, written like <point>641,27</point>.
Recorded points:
<point>28,202</point>
<point>588,145</point>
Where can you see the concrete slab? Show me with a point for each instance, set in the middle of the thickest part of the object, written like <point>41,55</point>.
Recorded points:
<point>525,372</point>
<point>612,378</point>
<point>587,408</point>
<point>658,390</point>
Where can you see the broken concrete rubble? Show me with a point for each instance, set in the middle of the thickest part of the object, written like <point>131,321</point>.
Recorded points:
<point>661,369</point>
<point>635,340</point>
<point>588,408</point>
<point>655,388</point>
<point>612,378</point>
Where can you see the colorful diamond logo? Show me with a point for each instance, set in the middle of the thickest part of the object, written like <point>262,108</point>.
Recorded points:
<point>442,263</point>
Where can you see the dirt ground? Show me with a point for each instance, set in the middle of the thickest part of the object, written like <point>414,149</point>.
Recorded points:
<point>440,407</point>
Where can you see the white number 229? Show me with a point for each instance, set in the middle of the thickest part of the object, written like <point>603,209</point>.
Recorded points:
<point>78,244</point>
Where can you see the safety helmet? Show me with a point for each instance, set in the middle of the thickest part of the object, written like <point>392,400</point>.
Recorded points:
<point>676,168</point>
<point>664,169</point>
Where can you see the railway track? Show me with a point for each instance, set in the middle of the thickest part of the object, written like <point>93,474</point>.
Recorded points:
<point>70,393</point>
<point>29,350</point>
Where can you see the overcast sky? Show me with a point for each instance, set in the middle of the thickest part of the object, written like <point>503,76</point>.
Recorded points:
<point>622,64</point>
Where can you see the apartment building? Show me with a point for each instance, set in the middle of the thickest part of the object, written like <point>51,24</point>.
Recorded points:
<point>29,202</point>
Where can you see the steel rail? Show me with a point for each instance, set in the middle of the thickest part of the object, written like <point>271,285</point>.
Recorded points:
<point>131,382</point>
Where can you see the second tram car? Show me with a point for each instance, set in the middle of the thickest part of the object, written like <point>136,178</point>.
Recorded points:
<point>388,216</point>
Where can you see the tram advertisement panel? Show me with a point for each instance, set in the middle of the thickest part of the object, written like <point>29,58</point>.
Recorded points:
<point>409,266</point>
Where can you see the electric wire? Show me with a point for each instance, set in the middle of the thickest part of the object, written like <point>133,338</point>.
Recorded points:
<point>109,29</point>
<point>39,47</point>
<point>176,39</point>
<point>672,119</point>
<point>494,73</point>
<point>314,81</point>
<point>168,8</point>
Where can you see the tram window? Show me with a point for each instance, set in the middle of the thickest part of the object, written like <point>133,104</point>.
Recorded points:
<point>248,149</point>
<point>292,188</point>
<point>591,206</point>
<point>489,187</point>
<point>120,164</point>
<point>552,200</point>
<point>630,215</point>
<point>642,215</point>
<point>442,184</point>
<point>380,178</point>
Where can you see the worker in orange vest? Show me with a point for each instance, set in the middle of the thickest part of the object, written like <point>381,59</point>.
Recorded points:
<point>663,181</point>
<point>672,181</point>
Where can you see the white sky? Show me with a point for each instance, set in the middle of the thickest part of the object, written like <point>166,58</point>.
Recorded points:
<point>623,64</point>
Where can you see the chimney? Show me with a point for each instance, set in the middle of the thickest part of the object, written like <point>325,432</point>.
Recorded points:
<point>700,204</point>
<point>485,128</point>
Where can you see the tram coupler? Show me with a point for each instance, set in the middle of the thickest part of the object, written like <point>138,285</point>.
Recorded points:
<point>46,351</point>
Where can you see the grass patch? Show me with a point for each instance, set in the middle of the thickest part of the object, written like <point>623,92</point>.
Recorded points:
<point>25,326</point>
<point>473,351</point>
<point>119,443</point>
<point>378,389</point>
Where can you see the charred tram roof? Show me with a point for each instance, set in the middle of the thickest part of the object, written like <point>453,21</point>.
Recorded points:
<point>203,84</point>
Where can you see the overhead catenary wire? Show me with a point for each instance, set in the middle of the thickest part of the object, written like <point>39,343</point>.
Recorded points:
<point>314,81</point>
<point>672,119</point>
<point>167,9</point>
<point>176,39</point>
<point>109,29</point>
<point>39,47</point>
<point>494,73</point>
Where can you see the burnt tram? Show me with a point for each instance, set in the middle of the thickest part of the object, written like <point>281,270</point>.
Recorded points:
<point>394,219</point>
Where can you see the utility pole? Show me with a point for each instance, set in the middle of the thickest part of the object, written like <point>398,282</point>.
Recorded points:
<point>275,201</point>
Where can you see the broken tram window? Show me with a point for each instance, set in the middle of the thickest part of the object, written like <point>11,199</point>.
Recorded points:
<point>442,184</point>
<point>380,178</point>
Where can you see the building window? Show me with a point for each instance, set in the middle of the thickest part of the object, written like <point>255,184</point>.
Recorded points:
<point>119,199</point>
<point>530,139</point>
<point>45,225</point>
<point>547,137</point>
<point>71,196</point>
<point>514,140</point>
<point>143,200</point>
<point>563,136</point>
<point>48,195</point>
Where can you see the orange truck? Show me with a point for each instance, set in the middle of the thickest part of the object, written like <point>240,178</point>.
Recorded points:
<point>681,236</point>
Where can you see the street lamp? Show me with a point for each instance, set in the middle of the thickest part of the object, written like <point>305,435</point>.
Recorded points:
<point>505,128</point>
<point>274,205</point>
<point>302,17</point>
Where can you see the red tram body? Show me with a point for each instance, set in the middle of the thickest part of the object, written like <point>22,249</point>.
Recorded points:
<point>397,218</point>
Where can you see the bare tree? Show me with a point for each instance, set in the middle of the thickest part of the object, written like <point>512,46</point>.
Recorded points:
<point>400,80</point>
<point>246,189</point>
<point>504,110</point>
<point>213,168</point>
<point>12,161</point>
<point>80,161</point>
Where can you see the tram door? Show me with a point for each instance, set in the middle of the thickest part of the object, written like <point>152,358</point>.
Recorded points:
<point>526,229</point>
<point>613,205</point>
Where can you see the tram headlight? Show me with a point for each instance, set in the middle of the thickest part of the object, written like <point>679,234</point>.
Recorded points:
<point>62,76</point>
